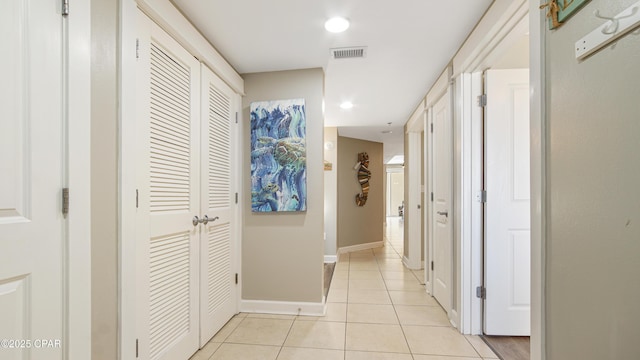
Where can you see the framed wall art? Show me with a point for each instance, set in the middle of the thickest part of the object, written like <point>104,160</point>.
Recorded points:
<point>278,156</point>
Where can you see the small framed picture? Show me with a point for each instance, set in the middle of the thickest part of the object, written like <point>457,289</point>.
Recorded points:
<point>561,10</point>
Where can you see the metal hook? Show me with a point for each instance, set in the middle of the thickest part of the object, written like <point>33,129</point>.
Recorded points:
<point>615,21</point>
<point>611,28</point>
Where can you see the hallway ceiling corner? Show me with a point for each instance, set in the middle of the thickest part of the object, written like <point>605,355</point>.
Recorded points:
<point>409,43</point>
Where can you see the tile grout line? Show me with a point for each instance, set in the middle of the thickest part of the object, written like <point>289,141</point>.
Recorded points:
<point>394,308</point>
<point>286,337</point>
<point>346,311</point>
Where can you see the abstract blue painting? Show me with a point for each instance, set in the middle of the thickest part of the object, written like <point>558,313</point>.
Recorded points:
<point>278,156</point>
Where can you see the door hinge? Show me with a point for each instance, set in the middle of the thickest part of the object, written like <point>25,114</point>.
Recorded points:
<point>481,197</point>
<point>431,127</point>
<point>236,117</point>
<point>137,48</point>
<point>236,198</point>
<point>482,100</point>
<point>432,196</point>
<point>65,7</point>
<point>136,348</point>
<point>136,198</point>
<point>236,278</point>
<point>65,201</point>
<point>481,292</point>
<point>432,266</point>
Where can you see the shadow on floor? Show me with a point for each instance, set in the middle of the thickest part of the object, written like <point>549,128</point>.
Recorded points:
<point>328,274</point>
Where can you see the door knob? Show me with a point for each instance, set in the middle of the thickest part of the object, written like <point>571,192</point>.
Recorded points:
<point>205,220</point>
<point>445,213</point>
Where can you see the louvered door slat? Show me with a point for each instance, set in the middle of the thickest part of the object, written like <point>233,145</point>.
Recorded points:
<point>169,277</point>
<point>168,125</point>
<point>218,289</point>
<point>170,150</point>
<point>219,150</point>
<point>219,267</point>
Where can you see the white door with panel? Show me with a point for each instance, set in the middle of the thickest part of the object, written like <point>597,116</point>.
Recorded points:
<point>32,175</point>
<point>168,185</point>
<point>441,216</point>
<point>507,222</point>
<point>218,298</point>
<point>186,207</point>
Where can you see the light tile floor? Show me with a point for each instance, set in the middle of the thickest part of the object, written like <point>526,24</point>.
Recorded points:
<point>376,310</point>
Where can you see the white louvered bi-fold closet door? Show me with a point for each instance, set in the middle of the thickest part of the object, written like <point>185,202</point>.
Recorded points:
<point>218,288</point>
<point>168,185</point>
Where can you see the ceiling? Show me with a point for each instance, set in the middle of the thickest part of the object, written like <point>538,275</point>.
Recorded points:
<point>409,43</point>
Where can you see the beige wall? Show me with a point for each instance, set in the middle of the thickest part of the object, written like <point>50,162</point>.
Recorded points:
<point>104,180</point>
<point>359,225</point>
<point>331,191</point>
<point>593,164</point>
<point>282,254</point>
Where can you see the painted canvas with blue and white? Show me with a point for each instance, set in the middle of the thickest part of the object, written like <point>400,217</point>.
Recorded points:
<point>278,156</point>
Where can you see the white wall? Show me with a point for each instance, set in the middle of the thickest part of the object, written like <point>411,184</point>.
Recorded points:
<point>331,192</point>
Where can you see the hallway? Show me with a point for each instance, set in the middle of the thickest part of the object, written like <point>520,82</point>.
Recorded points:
<point>377,309</point>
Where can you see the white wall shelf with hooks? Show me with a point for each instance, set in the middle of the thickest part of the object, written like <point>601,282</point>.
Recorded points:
<point>610,31</point>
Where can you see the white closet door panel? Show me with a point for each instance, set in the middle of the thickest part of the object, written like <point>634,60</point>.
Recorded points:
<point>168,128</point>
<point>218,289</point>
<point>32,166</point>
<point>507,210</point>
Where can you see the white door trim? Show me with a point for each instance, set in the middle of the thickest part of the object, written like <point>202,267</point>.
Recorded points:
<point>468,170</point>
<point>428,246</point>
<point>127,182</point>
<point>537,25</point>
<point>78,248</point>
<point>412,211</point>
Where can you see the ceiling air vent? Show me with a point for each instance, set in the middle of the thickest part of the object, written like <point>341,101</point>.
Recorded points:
<point>349,52</point>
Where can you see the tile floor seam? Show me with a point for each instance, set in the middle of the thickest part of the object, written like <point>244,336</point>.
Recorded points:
<point>346,314</point>
<point>286,337</point>
<point>396,312</point>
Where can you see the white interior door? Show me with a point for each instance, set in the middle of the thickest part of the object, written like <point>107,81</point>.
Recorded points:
<point>507,222</point>
<point>217,268</point>
<point>168,185</point>
<point>32,170</point>
<point>442,240</point>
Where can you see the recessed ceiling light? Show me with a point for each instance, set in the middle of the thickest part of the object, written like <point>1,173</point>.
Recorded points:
<point>346,105</point>
<point>336,24</point>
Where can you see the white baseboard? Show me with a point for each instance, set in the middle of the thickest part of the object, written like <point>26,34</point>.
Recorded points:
<point>409,264</point>
<point>284,307</point>
<point>330,258</point>
<point>360,247</point>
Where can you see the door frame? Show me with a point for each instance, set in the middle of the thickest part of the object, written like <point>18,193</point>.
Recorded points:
<point>77,268</point>
<point>391,169</point>
<point>176,25</point>
<point>412,258</point>
<point>441,88</point>
<point>492,35</point>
